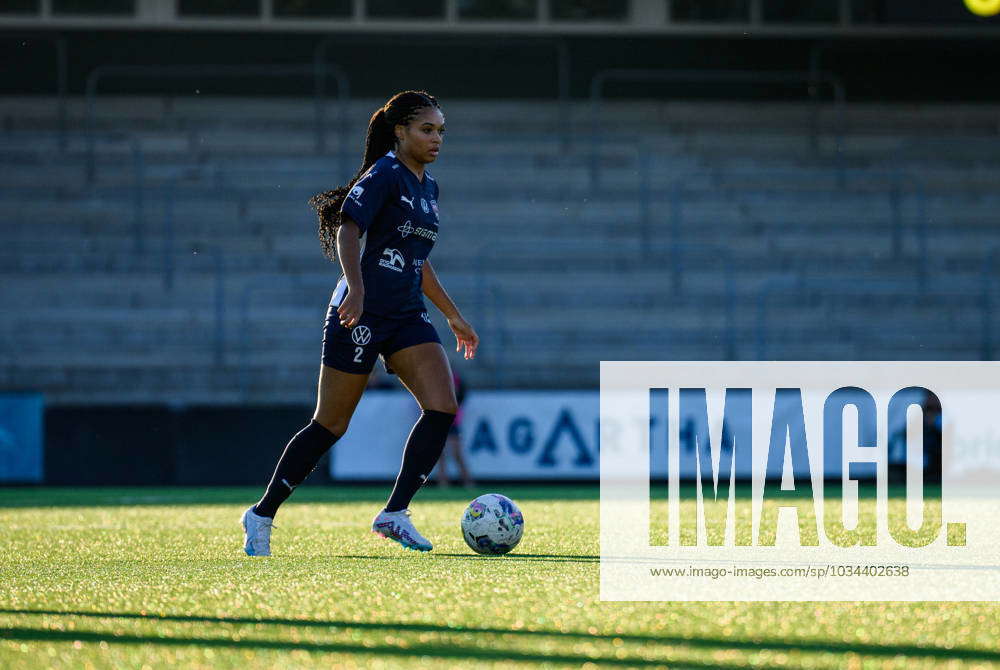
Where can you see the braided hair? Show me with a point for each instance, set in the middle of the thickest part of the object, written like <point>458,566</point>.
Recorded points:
<point>381,138</point>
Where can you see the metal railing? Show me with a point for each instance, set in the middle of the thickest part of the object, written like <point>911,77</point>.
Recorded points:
<point>220,279</point>
<point>138,186</point>
<point>897,221</point>
<point>802,286</point>
<point>740,19</point>
<point>319,76</point>
<point>258,285</point>
<point>59,45</point>
<point>811,79</point>
<point>214,251</point>
<point>987,302</point>
<point>492,326</point>
<point>680,253</point>
<point>167,252</point>
<point>561,49</point>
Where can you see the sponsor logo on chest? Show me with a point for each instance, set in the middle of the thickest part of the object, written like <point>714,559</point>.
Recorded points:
<point>408,229</point>
<point>392,259</point>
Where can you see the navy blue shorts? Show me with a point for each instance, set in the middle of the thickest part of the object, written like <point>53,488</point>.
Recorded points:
<point>355,349</point>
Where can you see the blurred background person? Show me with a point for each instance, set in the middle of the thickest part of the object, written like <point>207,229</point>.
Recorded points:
<point>453,448</point>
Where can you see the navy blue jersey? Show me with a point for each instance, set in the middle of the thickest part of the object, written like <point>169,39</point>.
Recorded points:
<point>399,215</point>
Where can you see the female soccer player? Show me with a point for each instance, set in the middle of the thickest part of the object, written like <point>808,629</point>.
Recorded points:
<point>377,310</point>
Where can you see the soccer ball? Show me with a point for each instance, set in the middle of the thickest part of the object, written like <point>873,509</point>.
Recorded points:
<point>492,524</point>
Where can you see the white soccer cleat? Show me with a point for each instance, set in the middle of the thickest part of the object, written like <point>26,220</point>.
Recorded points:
<point>397,526</point>
<point>257,530</point>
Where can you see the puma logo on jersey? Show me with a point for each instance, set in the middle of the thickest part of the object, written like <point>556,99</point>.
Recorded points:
<point>392,259</point>
<point>408,201</point>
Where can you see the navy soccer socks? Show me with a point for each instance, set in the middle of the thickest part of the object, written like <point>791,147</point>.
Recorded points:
<point>421,454</point>
<point>300,458</point>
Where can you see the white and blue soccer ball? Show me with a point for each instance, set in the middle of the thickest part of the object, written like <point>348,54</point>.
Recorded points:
<point>492,524</point>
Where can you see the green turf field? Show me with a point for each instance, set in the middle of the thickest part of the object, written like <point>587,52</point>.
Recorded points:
<point>157,578</point>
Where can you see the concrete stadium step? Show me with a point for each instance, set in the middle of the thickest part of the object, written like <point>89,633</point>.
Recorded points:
<point>124,244</point>
<point>625,254</point>
<point>206,200</point>
<point>680,115</point>
<point>74,148</point>
<point>299,239</point>
<point>170,384</point>
<point>460,173</point>
<point>99,291</point>
<point>229,207</point>
<point>162,356</point>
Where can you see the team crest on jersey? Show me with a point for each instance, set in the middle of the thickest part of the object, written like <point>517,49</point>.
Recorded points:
<point>355,194</point>
<point>392,259</point>
<point>423,206</point>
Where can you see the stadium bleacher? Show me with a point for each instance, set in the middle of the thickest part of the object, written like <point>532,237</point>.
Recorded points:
<point>201,281</point>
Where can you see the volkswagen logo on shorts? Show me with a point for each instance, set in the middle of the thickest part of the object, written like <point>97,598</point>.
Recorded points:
<point>361,335</point>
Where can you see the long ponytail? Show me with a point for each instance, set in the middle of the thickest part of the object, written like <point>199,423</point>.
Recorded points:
<point>379,140</point>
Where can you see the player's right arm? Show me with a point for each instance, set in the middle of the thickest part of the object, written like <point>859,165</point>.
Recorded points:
<point>357,213</point>
<point>349,254</point>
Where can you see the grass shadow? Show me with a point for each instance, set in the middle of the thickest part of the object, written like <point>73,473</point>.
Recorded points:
<point>712,643</point>
<point>455,652</point>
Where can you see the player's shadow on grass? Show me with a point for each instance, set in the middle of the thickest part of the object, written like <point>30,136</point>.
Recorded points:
<point>456,651</point>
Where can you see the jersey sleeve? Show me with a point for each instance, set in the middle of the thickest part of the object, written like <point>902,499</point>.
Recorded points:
<point>367,197</point>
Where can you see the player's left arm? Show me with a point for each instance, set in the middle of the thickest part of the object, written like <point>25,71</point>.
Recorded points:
<point>465,334</point>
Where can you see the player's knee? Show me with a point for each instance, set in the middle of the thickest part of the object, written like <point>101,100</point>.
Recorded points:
<point>448,406</point>
<point>336,425</point>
